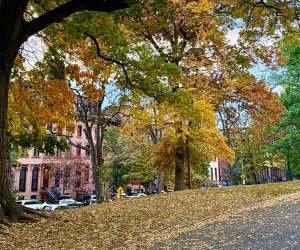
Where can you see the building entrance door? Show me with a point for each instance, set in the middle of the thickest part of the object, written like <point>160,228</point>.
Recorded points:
<point>46,177</point>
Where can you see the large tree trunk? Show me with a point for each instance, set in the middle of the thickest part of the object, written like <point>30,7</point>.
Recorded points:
<point>97,163</point>
<point>187,147</point>
<point>289,176</point>
<point>8,205</point>
<point>11,21</point>
<point>179,177</point>
<point>160,179</point>
<point>10,175</point>
<point>179,166</point>
<point>252,169</point>
<point>99,152</point>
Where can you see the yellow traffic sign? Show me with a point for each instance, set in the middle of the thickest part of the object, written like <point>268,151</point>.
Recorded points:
<point>120,192</point>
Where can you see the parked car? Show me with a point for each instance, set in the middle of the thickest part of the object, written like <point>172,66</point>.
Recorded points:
<point>88,199</point>
<point>52,207</point>
<point>115,196</point>
<point>226,183</point>
<point>33,203</point>
<point>93,202</point>
<point>137,195</point>
<point>71,203</point>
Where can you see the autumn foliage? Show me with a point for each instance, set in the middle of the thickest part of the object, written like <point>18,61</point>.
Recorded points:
<point>171,66</point>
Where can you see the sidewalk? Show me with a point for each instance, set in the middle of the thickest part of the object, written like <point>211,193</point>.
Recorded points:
<point>272,227</point>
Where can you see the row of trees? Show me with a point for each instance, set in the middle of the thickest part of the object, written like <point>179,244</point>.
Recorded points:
<point>171,62</point>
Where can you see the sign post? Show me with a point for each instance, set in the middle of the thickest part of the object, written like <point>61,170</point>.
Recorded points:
<point>243,179</point>
<point>120,191</point>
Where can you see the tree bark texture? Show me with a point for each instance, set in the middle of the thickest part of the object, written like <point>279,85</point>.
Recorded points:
<point>179,166</point>
<point>289,175</point>
<point>6,198</point>
<point>179,177</point>
<point>252,169</point>
<point>189,182</point>
<point>95,145</point>
<point>10,25</point>
<point>160,178</point>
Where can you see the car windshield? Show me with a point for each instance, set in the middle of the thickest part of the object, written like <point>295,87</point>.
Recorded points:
<point>66,201</point>
<point>32,202</point>
<point>29,202</point>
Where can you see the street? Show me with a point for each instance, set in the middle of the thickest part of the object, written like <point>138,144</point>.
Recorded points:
<point>271,227</point>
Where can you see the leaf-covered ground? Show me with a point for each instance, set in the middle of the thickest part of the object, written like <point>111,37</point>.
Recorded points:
<point>272,225</point>
<point>139,223</point>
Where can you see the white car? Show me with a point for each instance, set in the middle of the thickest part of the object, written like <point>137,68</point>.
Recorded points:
<point>93,202</point>
<point>34,204</point>
<point>52,207</point>
<point>71,203</point>
<point>137,195</point>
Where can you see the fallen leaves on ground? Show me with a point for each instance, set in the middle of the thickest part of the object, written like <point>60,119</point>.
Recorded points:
<point>139,223</point>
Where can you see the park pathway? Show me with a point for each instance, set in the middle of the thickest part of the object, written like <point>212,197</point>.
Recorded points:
<point>275,226</point>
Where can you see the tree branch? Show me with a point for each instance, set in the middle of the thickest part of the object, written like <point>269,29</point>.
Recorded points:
<point>108,59</point>
<point>128,81</point>
<point>58,14</point>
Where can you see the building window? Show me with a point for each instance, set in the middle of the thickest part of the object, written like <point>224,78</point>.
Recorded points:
<point>87,152</point>
<point>22,182</point>
<point>36,152</point>
<point>35,177</point>
<point>57,178</point>
<point>212,174</point>
<point>87,174</point>
<point>66,177</point>
<point>78,179</point>
<point>78,150</point>
<point>49,127</point>
<point>79,130</point>
<point>33,197</point>
<point>216,174</point>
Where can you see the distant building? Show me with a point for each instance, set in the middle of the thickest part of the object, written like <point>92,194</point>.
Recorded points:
<point>40,175</point>
<point>222,165</point>
<point>216,170</point>
<point>135,186</point>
